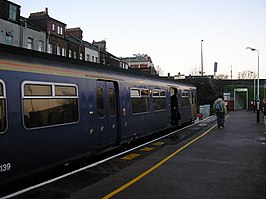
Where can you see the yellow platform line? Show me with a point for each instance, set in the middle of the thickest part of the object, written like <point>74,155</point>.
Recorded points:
<point>130,156</point>
<point>156,166</point>
<point>147,149</point>
<point>158,143</point>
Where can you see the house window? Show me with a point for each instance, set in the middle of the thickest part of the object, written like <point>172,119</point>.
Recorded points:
<point>75,55</point>
<point>50,48</point>
<point>58,50</point>
<point>53,27</point>
<point>12,12</point>
<point>80,56</point>
<point>30,43</point>
<point>88,57</point>
<point>92,58</point>
<point>9,38</point>
<point>70,53</point>
<point>41,46</point>
<point>64,52</point>
<point>59,30</point>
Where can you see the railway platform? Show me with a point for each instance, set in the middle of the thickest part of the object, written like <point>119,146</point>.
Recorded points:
<point>212,163</point>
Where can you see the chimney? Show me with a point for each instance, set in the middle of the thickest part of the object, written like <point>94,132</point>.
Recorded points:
<point>46,10</point>
<point>77,32</point>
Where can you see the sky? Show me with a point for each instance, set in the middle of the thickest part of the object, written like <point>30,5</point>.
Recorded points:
<point>170,31</point>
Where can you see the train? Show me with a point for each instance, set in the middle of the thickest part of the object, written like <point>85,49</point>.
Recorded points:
<point>55,110</point>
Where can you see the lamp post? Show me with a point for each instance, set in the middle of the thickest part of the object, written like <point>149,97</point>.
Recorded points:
<point>201,57</point>
<point>258,92</point>
<point>254,91</point>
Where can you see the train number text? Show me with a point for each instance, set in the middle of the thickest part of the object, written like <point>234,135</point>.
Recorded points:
<point>5,167</point>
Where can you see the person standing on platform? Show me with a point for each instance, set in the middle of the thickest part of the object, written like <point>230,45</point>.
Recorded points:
<point>220,109</point>
<point>175,108</point>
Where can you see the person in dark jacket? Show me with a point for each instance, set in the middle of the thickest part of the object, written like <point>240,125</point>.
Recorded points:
<point>175,108</point>
<point>220,109</point>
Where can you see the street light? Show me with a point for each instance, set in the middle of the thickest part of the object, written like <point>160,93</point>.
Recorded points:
<point>258,92</point>
<point>201,58</point>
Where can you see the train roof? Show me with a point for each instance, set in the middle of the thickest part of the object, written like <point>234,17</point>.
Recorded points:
<point>40,58</point>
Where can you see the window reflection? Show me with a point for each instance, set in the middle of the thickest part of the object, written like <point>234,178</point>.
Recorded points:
<point>60,105</point>
<point>100,102</point>
<point>112,108</point>
<point>159,100</point>
<point>65,91</point>
<point>37,90</point>
<point>140,100</point>
<point>45,112</point>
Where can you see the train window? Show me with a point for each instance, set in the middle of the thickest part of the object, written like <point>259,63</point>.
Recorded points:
<point>49,104</point>
<point>135,93</point>
<point>65,91</point>
<point>3,119</point>
<point>100,102</point>
<point>37,90</point>
<point>159,99</point>
<point>186,102</point>
<point>140,100</point>
<point>112,108</point>
<point>144,93</point>
<point>185,94</point>
<point>155,93</point>
<point>185,98</point>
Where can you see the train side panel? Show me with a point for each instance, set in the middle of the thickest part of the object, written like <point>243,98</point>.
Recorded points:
<point>148,108</point>
<point>29,146</point>
<point>54,112</point>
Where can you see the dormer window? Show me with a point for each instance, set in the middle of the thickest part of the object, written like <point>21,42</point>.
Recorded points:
<point>13,12</point>
<point>53,27</point>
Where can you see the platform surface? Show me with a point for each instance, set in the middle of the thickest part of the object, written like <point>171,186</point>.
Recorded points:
<point>228,163</point>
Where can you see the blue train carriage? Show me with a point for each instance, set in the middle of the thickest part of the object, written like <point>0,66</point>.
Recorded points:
<point>54,110</point>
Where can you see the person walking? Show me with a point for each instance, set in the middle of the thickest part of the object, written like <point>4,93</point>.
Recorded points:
<point>220,109</point>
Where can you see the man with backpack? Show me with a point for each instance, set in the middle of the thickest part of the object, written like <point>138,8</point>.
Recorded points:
<point>220,109</point>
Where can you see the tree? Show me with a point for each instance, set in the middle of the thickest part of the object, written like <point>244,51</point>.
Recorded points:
<point>194,72</point>
<point>246,75</point>
<point>159,70</point>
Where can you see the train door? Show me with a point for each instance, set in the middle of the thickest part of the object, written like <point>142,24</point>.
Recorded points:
<point>107,125</point>
<point>193,100</point>
<point>186,109</point>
